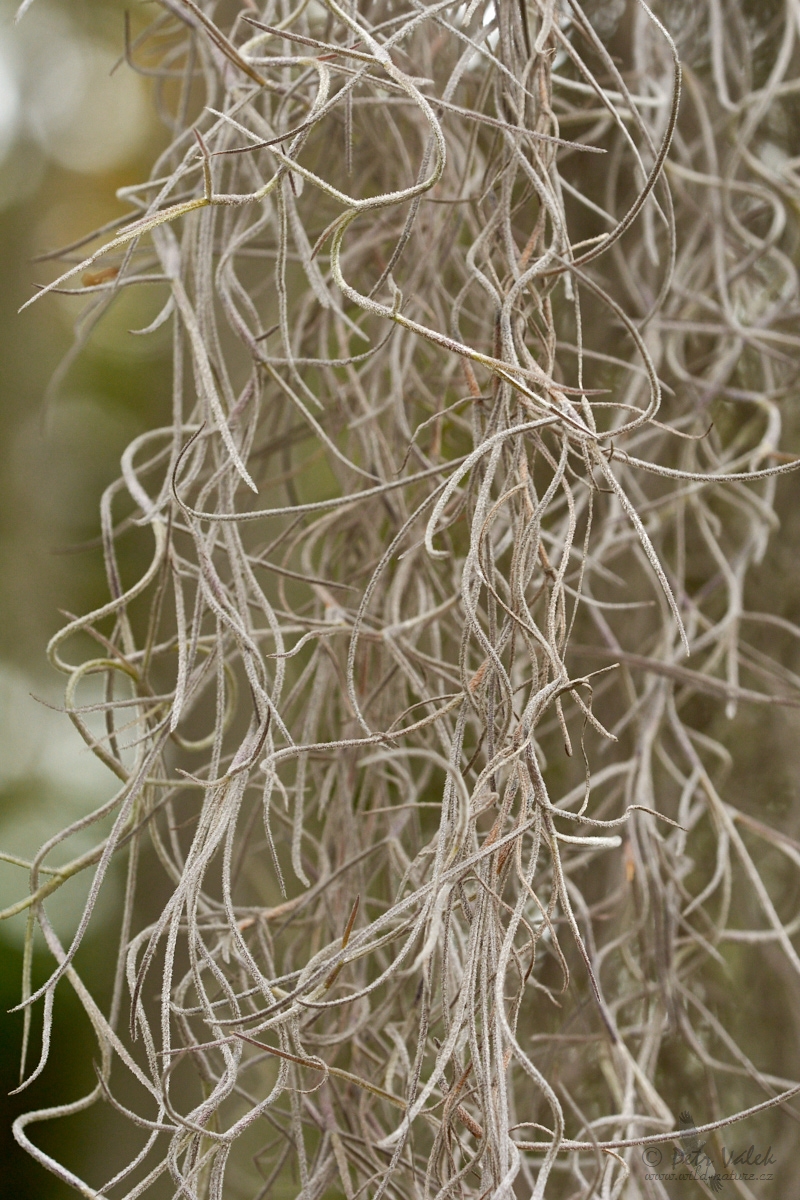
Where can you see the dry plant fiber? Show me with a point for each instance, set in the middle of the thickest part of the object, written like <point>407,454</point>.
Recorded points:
<point>484,325</point>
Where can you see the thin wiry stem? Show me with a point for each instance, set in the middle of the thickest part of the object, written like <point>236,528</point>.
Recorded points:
<point>487,316</point>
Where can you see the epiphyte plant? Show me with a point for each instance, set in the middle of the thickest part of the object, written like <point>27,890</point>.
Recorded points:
<point>482,343</point>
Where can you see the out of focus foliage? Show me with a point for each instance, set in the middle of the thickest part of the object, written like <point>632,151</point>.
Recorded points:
<point>72,130</point>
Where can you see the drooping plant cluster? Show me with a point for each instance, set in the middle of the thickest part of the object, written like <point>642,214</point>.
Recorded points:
<point>482,327</point>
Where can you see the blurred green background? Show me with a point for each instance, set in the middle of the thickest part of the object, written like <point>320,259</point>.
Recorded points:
<point>71,133</point>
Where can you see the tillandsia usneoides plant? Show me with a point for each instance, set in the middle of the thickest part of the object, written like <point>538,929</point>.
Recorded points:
<point>482,318</point>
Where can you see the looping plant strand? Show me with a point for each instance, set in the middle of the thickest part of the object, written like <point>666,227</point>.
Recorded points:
<point>497,327</point>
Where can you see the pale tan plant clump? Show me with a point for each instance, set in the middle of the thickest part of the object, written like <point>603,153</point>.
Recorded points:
<point>482,322</point>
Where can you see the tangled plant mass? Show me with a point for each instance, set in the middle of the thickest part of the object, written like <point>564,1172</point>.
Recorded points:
<point>482,325</point>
